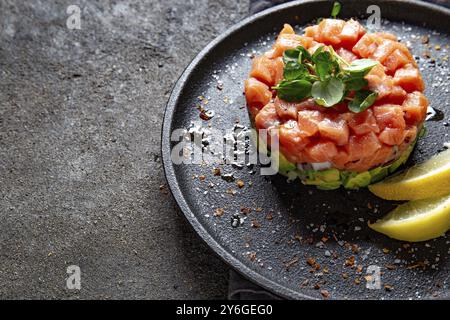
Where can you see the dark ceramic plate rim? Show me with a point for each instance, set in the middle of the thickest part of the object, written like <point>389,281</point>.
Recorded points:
<point>166,150</point>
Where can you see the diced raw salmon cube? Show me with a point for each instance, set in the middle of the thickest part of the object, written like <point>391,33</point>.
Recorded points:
<point>415,107</point>
<point>335,130</point>
<point>312,31</point>
<point>384,50</point>
<point>257,93</point>
<point>410,134</point>
<point>269,71</point>
<point>392,136</point>
<point>330,30</point>
<point>308,121</point>
<point>367,45</point>
<point>287,29</point>
<point>341,158</point>
<point>287,41</point>
<point>291,138</point>
<point>267,117</point>
<point>395,60</point>
<point>351,32</point>
<point>286,110</point>
<point>346,55</point>
<point>321,151</point>
<point>362,146</point>
<point>409,78</point>
<point>386,35</point>
<point>363,122</point>
<point>390,116</point>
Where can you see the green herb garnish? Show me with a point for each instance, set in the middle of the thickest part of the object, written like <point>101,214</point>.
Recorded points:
<point>293,90</point>
<point>329,92</point>
<point>326,77</point>
<point>362,100</point>
<point>336,9</point>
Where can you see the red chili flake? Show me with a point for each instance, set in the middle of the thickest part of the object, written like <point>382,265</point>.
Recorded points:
<point>313,263</point>
<point>325,294</point>
<point>350,262</point>
<point>390,267</point>
<point>317,286</point>
<point>252,256</point>
<point>163,189</point>
<point>359,268</point>
<point>291,263</point>
<point>355,248</point>
<point>246,210</point>
<point>216,171</point>
<point>202,177</point>
<point>304,283</point>
<point>219,212</point>
<point>388,287</point>
<point>256,224</point>
<point>231,191</point>
<point>369,278</point>
<point>419,264</point>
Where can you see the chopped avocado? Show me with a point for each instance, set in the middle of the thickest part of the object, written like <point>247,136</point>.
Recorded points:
<point>330,179</point>
<point>284,166</point>
<point>329,185</point>
<point>326,179</point>
<point>358,180</point>
<point>378,174</point>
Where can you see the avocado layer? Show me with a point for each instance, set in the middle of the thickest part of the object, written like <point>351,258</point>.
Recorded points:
<point>330,179</point>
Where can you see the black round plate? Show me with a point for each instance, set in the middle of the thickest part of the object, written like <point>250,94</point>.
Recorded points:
<point>294,240</point>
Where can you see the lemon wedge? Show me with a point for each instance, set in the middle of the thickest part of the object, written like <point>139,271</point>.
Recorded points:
<point>425,180</point>
<point>415,221</point>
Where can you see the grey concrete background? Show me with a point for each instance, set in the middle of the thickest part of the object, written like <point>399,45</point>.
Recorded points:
<point>81,180</point>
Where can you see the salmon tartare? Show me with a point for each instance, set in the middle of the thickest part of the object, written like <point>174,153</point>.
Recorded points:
<point>346,105</point>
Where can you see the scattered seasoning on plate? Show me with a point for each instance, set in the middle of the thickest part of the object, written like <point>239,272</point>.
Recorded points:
<point>228,177</point>
<point>231,191</point>
<point>216,171</point>
<point>388,287</point>
<point>291,263</point>
<point>350,262</point>
<point>255,224</point>
<point>163,189</point>
<point>252,256</point>
<point>240,184</point>
<point>325,294</point>
<point>219,212</point>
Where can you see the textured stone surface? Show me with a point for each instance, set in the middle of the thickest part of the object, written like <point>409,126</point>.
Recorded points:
<point>80,170</point>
